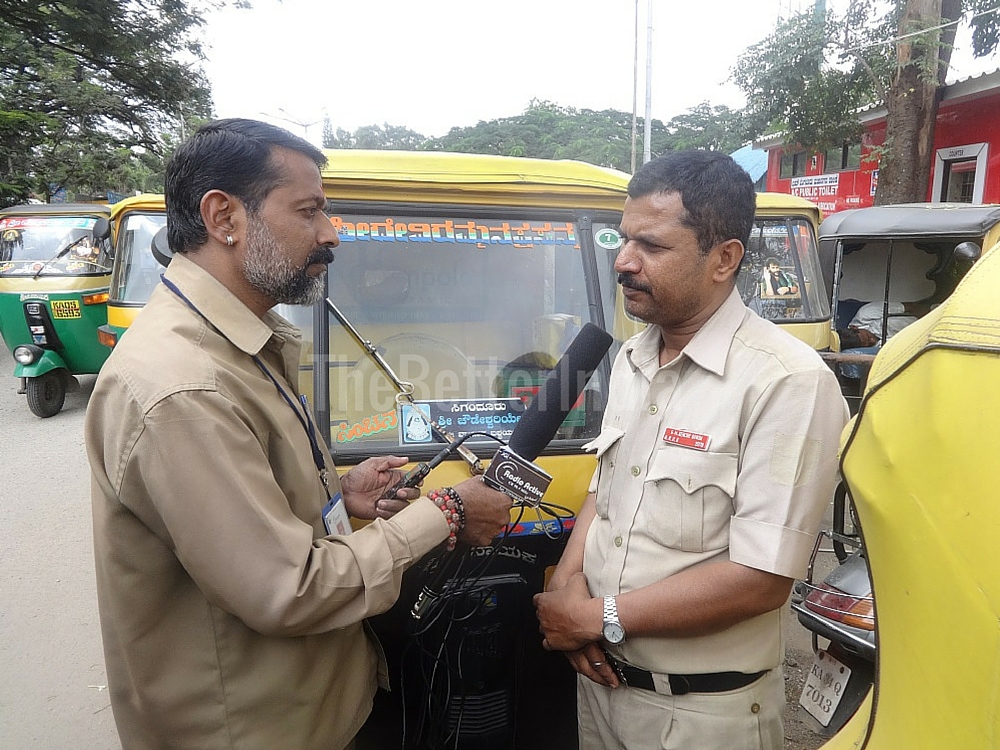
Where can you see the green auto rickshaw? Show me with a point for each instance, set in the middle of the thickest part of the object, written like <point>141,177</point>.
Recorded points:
<point>54,275</point>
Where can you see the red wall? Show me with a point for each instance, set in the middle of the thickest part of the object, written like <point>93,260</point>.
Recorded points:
<point>958,124</point>
<point>976,121</point>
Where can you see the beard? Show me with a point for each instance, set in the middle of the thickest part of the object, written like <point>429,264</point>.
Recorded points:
<point>269,271</point>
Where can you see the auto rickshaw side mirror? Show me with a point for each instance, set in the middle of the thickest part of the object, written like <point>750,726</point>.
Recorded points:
<point>967,251</point>
<point>102,229</point>
<point>160,249</point>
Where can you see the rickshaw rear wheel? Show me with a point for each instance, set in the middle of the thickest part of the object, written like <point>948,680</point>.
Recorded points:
<point>46,394</point>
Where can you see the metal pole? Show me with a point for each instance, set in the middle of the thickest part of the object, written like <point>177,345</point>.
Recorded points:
<point>403,388</point>
<point>647,125</point>
<point>321,364</point>
<point>635,83</point>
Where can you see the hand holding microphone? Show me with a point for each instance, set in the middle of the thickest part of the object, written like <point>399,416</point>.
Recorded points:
<point>487,511</point>
<point>511,476</point>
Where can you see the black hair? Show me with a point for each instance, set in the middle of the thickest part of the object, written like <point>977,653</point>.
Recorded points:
<point>717,193</point>
<point>232,155</point>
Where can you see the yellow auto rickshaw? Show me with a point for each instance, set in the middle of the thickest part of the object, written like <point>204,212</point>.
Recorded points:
<point>459,282</point>
<point>917,460</point>
<point>135,270</point>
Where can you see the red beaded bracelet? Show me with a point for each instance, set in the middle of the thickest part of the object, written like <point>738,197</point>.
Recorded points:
<point>454,512</point>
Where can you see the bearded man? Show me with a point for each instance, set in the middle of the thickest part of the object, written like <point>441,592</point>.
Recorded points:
<point>232,590</point>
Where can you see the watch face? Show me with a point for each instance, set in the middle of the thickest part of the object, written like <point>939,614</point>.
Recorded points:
<point>613,632</point>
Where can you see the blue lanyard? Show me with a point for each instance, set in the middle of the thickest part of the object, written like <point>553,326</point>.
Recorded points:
<point>307,423</point>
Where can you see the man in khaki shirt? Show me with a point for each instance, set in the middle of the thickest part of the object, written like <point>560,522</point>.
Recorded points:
<point>231,615</point>
<point>717,458</point>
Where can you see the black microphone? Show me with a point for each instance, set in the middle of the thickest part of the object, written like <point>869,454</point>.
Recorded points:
<point>511,470</point>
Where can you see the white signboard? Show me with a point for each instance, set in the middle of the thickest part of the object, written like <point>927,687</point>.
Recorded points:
<point>817,186</point>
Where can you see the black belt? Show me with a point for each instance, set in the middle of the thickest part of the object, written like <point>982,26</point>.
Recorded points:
<point>682,684</point>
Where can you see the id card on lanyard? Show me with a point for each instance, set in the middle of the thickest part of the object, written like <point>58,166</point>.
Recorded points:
<point>336,521</point>
<point>335,518</point>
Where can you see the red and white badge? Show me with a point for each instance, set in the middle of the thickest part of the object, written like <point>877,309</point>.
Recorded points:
<point>687,439</point>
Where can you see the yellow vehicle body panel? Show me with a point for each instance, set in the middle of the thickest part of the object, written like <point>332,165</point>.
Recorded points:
<point>144,202</point>
<point>121,317</point>
<point>571,479</point>
<point>852,735</point>
<point>816,333</point>
<point>781,203</point>
<point>49,285</point>
<point>471,179</point>
<point>919,462</point>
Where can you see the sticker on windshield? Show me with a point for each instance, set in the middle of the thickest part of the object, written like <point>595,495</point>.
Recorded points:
<point>496,416</point>
<point>482,234</point>
<point>608,238</point>
<point>62,222</point>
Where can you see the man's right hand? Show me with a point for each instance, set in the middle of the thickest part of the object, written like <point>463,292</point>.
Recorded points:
<point>486,512</point>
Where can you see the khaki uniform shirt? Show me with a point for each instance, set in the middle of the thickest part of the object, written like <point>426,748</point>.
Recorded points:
<point>229,618</point>
<point>727,453</point>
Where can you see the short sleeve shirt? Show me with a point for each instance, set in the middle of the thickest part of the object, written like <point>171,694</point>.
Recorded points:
<point>729,452</point>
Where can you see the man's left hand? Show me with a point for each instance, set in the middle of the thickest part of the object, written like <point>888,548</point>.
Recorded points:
<point>569,617</point>
<point>365,485</point>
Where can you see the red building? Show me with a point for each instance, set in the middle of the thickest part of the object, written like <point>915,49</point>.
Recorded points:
<point>966,165</point>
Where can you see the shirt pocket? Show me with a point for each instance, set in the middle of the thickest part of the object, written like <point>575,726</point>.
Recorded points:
<point>688,502</point>
<point>606,445</point>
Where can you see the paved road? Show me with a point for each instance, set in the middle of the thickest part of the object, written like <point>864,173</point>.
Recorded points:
<point>53,692</point>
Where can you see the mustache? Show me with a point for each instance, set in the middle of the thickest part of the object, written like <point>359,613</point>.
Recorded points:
<point>629,281</point>
<point>323,254</point>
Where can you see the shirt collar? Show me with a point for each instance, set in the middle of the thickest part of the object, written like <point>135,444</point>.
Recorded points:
<point>225,310</point>
<point>710,346</point>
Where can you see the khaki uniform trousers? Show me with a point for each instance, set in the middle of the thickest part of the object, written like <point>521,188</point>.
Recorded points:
<point>635,719</point>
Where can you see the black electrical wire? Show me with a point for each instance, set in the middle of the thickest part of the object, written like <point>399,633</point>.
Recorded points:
<point>454,597</point>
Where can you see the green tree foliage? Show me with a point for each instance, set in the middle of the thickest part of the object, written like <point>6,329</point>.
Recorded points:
<point>88,86</point>
<point>716,128</point>
<point>550,131</point>
<point>795,81</point>
<point>378,137</point>
<point>810,77</point>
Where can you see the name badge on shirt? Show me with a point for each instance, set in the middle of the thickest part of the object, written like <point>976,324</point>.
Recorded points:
<point>335,518</point>
<point>687,439</point>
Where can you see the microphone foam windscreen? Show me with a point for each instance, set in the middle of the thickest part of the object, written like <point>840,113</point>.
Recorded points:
<point>561,389</point>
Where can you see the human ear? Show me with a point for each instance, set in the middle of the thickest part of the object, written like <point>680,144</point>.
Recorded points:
<point>730,253</point>
<point>221,214</point>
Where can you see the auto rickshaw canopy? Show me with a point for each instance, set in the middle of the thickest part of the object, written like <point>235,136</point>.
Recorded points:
<point>911,221</point>
<point>439,177</point>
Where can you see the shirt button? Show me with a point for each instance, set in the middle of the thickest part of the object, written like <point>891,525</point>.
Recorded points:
<point>653,409</point>
<point>755,708</point>
<point>618,541</point>
<point>635,471</point>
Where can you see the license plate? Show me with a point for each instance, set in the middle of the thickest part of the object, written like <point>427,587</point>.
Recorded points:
<point>65,308</point>
<point>825,686</point>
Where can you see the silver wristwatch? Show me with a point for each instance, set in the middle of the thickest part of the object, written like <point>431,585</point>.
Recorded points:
<point>612,631</point>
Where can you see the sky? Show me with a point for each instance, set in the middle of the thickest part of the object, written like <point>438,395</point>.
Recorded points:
<point>431,65</point>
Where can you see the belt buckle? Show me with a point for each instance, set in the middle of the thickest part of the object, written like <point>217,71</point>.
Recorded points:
<point>683,686</point>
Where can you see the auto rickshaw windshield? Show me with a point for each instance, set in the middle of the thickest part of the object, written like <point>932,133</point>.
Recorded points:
<point>136,269</point>
<point>780,277</point>
<point>50,246</point>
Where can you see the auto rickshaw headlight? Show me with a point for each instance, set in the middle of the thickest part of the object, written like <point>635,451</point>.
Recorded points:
<point>27,355</point>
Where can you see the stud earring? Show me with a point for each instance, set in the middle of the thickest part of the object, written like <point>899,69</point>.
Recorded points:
<point>229,240</point>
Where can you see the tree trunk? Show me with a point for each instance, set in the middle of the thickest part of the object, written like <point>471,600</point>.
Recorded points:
<point>912,104</point>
